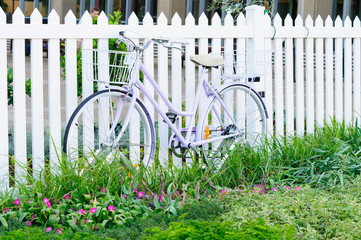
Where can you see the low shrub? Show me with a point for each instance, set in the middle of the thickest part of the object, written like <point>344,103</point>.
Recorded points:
<point>37,233</point>
<point>332,213</point>
<point>220,230</point>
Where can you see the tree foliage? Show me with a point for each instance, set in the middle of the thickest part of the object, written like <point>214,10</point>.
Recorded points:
<point>235,7</point>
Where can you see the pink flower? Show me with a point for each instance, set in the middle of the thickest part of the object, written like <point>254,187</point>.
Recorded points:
<point>274,189</point>
<point>67,196</point>
<point>32,217</point>
<point>28,223</point>
<point>179,194</point>
<point>93,210</point>
<point>6,209</point>
<point>223,190</point>
<point>140,194</point>
<point>297,188</point>
<point>240,189</point>
<point>85,221</point>
<point>111,208</point>
<point>135,190</point>
<point>81,211</point>
<point>104,190</point>
<point>159,198</point>
<point>17,201</point>
<point>58,231</point>
<point>287,188</point>
<point>48,229</point>
<point>124,196</point>
<point>47,202</point>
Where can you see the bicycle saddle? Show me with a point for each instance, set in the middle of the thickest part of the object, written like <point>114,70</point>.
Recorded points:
<point>207,60</point>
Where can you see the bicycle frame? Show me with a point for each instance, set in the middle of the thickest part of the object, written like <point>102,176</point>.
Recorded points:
<point>184,141</point>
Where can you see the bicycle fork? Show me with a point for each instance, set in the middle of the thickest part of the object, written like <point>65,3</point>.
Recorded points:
<point>117,118</point>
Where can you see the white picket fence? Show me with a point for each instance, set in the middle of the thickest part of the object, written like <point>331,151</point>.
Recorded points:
<point>316,72</point>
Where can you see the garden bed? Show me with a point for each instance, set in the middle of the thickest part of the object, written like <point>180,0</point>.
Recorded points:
<point>290,188</point>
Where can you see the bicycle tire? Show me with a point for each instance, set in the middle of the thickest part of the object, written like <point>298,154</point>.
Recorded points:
<point>88,126</point>
<point>250,114</point>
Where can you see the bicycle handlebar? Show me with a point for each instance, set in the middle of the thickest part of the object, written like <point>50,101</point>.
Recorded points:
<point>167,43</point>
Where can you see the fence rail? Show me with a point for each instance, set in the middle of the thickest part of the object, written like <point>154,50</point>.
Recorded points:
<point>315,75</point>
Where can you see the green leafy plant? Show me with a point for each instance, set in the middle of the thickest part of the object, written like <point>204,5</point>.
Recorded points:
<point>221,230</point>
<point>11,87</point>
<point>3,5</point>
<point>316,213</point>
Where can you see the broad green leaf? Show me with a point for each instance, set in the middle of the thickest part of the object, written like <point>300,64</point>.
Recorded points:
<point>156,202</point>
<point>53,219</point>
<point>22,216</point>
<point>104,223</point>
<point>173,210</point>
<point>72,224</point>
<point>4,222</point>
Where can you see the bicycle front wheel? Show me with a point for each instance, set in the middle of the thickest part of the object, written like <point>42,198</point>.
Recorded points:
<point>243,118</point>
<point>96,123</point>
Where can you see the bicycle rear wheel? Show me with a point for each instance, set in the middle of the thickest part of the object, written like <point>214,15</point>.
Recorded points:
<point>94,126</point>
<point>248,111</point>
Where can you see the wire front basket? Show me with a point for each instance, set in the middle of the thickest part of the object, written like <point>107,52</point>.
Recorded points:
<point>108,66</point>
<point>246,64</point>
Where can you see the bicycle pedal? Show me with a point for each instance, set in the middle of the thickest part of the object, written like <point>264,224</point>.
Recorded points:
<point>171,116</point>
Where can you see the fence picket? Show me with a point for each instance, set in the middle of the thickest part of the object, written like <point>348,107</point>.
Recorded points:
<point>338,73</point>
<point>310,110</point>
<point>163,84</point>
<point>289,95</point>
<point>37,101</point>
<point>87,86</point>
<point>189,74</point>
<point>20,151</point>
<point>356,74</point>
<point>268,80</point>
<point>329,73</point>
<point>54,93</point>
<point>241,49</point>
<point>203,49</point>
<point>278,68</point>
<point>71,71</point>
<point>149,64</point>
<point>299,68</point>
<point>176,77</point>
<point>347,82</point>
<point>320,113</point>
<point>134,124</point>
<point>4,137</point>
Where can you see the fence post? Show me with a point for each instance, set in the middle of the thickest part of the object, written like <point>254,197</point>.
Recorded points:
<point>255,20</point>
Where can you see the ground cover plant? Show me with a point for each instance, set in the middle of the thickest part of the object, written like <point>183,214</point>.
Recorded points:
<point>297,187</point>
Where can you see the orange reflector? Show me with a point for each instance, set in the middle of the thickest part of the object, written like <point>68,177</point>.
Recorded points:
<point>207,133</point>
